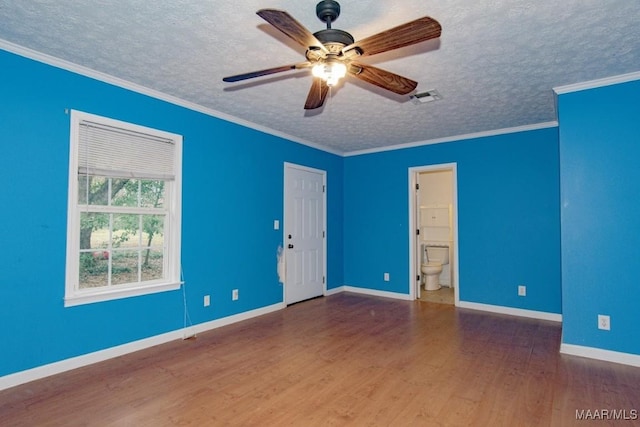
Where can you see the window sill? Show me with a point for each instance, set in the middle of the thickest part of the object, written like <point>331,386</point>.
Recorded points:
<point>112,294</point>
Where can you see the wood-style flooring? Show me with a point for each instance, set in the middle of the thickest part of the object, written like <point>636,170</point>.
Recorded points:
<point>346,359</point>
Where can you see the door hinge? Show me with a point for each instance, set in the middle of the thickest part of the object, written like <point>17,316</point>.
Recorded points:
<point>417,231</point>
<point>322,279</point>
<point>418,277</point>
<point>323,188</point>
<point>323,234</point>
<point>417,186</point>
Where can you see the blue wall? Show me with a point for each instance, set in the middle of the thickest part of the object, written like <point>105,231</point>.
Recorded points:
<point>600,185</point>
<point>508,218</point>
<point>232,192</point>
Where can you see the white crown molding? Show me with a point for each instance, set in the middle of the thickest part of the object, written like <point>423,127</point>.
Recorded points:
<point>106,78</point>
<point>43,371</point>
<point>601,354</point>
<point>543,125</point>
<point>592,84</point>
<point>511,311</point>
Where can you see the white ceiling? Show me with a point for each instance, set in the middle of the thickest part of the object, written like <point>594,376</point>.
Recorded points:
<point>495,64</point>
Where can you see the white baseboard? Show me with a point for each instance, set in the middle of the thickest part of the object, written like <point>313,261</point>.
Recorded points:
<point>600,354</point>
<point>374,292</point>
<point>202,327</point>
<point>334,291</point>
<point>542,315</point>
<point>43,371</point>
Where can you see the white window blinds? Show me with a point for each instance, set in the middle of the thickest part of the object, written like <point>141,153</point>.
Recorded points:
<point>116,152</point>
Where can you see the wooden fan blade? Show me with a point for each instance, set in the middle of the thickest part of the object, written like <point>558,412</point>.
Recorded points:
<point>253,74</point>
<point>317,94</point>
<point>382,78</point>
<point>292,28</point>
<point>413,32</point>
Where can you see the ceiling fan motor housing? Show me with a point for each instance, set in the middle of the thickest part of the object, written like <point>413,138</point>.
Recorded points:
<point>333,39</point>
<point>332,35</point>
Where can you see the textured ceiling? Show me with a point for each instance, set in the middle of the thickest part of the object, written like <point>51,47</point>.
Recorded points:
<point>495,64</point>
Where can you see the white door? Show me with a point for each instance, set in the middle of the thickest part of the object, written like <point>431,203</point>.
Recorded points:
<point>304,232</point>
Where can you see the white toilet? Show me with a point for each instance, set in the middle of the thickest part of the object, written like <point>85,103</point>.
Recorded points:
<point>434,256</point>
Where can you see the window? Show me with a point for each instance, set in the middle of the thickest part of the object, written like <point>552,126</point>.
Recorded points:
<point>123,235</point>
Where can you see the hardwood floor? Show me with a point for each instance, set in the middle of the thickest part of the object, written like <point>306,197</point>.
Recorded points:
<point>341,360</point>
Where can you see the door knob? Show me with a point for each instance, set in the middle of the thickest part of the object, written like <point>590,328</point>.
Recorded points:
<point>290,246</point>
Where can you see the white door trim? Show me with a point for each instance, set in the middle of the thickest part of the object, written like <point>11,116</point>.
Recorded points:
<point>288,166</point>
<point>413,224</point>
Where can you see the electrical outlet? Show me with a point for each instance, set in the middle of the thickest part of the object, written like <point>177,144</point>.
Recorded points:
<point>386,277</point>
<point>234,294</point>
<point>522,290</point>
<point>604,322</point>
<point>207,300</point>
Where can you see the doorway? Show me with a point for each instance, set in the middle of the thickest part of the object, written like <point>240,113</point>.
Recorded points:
<point>433,222</point>
<point>304,233</point>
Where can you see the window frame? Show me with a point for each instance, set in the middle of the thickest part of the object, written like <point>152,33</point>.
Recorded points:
<point>172,225</point>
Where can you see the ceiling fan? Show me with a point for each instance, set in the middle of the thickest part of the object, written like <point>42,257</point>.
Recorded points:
<point>333,53</point>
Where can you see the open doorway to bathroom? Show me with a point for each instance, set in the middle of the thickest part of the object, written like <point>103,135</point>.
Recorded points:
<point>433,230</point>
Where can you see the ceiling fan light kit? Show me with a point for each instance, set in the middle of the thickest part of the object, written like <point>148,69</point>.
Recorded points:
<point>330,71</point>
<point>331,53</point>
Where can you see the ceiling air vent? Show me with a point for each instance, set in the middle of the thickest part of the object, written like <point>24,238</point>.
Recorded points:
<point>424,97</point>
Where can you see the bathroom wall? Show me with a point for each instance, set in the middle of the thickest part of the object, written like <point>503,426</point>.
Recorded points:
<point>600,184</point>
<point>232,193</point>
<point>508,215</point>
<point>435,188</point>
